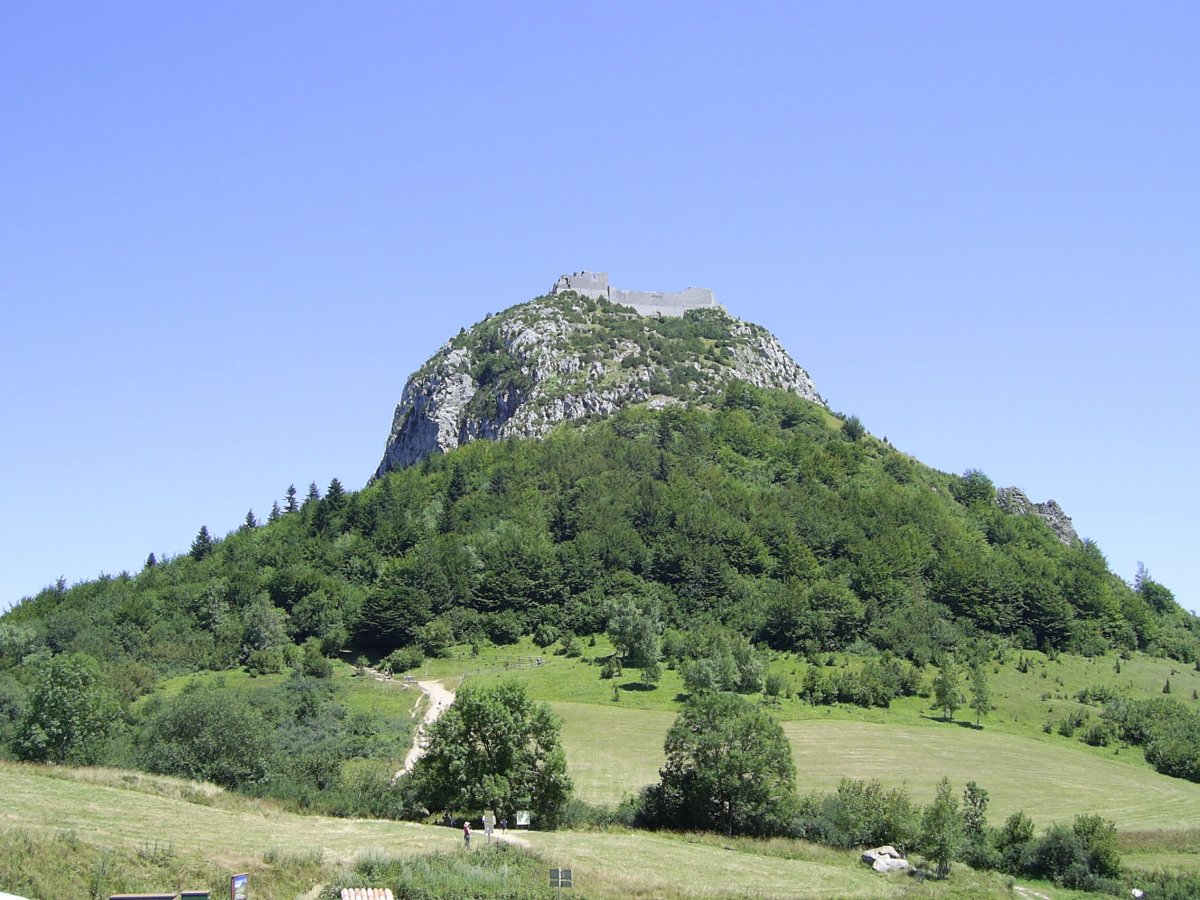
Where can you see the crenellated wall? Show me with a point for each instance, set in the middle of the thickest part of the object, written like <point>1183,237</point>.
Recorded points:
<point>648,303</point>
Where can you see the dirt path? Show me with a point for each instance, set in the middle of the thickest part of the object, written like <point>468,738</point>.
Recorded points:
<point>511,839</point>
<point>438,698</point>
<point>1030,894</point>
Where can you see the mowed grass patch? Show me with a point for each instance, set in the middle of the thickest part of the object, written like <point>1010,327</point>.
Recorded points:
<point>1049,781</point>
<point>612,753</point>
<point>117,817</point>
<point>644,864</point>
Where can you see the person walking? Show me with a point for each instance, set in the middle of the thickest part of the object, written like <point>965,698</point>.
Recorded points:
<point>467,833</point>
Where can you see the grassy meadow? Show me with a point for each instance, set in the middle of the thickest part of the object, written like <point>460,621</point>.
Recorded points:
<point>615,746</point>
<point>114,831</point>
<point>85,832</point>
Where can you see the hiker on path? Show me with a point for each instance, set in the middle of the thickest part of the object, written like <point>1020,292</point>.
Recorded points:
<point>467,833</point>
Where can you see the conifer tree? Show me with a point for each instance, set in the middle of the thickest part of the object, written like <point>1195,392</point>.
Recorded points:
<point>313,494</point>
<point>334,493</point>
<point>151,561</point>
<point>203,545</point>
<point>250,522</point>
<point>275,513</point>
<point>290,505</point>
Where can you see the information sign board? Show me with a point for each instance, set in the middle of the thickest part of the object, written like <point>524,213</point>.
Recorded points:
<point>561,878</point>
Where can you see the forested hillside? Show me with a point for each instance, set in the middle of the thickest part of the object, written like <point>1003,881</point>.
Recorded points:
<point>766,514</point>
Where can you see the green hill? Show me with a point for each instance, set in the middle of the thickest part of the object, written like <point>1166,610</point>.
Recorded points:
<point>735,538</point>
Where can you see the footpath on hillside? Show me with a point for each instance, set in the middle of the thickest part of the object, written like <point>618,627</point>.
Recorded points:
<point>438,698</point>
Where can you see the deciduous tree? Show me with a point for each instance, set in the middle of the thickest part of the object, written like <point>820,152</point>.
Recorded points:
<point>729,767</point>
<point>942,829</point>
<point>70,716</point>
<point>946,693</point>
<point>494,748</point>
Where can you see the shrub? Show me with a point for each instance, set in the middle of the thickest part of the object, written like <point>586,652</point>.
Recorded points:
<point>265,662</point>
<point>859,814</point>
<point>403,659</point>
<point>314,663</point>
<point>208,734</point>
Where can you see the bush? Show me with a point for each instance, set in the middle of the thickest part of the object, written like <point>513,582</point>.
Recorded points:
<point>208,734</point>
<point>859,814</point>
<point>777,685</point>
<point>314,663</point>
<point>505,628</point>
<point>1098,734</point>
<point>403,659</point>
<point>265,662</point>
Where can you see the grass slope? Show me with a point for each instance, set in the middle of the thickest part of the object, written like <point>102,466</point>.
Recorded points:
<point>614,752</point>
<point>72,833</point>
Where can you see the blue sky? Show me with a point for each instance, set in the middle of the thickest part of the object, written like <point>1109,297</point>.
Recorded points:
<point>229,231</point>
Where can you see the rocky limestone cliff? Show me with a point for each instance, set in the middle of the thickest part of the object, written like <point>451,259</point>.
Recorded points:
<point>568,356</point>
<point>1013,500</point>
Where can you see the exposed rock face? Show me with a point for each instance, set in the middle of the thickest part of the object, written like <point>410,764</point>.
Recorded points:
<point>569,356</point>
<point>1013,500</point>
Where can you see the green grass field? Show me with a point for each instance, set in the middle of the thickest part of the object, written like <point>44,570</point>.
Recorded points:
<point>92,828</point>
<point>117,822</point>
<point>615,748</point>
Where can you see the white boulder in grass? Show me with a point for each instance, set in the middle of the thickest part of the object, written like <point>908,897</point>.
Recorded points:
<point>885,859</point>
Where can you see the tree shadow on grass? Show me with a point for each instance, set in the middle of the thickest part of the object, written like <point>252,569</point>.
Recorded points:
<point>961,723</point>
<point>638,686</point>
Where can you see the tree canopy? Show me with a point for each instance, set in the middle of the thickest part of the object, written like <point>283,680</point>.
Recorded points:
<point>494,748</point>
<point>729,768</point>
<point>71,713</point>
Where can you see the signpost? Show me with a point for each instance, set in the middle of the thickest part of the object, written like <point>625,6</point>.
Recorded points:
<point>522,818</point>
<point>489,823</point>
<point>239,887</point>
<point>561,878</point>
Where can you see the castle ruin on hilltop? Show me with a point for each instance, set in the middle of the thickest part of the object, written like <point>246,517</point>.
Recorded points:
<point>648,303</point>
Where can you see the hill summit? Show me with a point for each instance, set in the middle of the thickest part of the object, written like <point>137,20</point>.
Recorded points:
<point>584,350</point>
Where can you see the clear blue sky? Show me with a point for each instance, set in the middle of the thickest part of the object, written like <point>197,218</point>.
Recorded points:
<point>229,231</point>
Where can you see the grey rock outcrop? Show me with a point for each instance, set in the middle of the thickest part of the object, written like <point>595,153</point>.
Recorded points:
<point>1013,500</point>
<point>575,354</point>
<point>885,859</point>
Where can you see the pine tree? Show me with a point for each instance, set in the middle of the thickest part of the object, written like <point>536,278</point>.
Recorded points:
<point>291,505</point>
<point>456,486</point>
<point>335,492</point>
<point>275,513</point>
<point>151,561</point>
<point>203,545</point>
<point>250,522</point>
<point>313,493</point>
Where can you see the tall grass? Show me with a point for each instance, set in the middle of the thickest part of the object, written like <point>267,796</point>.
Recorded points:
<point>492,872</point>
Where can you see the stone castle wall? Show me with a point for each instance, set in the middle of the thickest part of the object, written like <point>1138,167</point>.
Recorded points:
<point>648,303</point>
